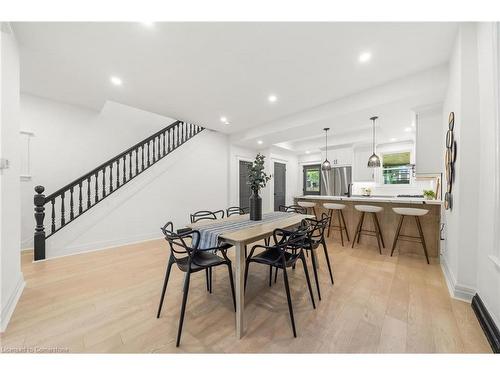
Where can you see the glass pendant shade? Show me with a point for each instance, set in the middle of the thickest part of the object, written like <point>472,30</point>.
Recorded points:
<point>374,160</point>
<point>326,166</point>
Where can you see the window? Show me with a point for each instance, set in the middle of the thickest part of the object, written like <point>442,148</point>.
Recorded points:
<point>396,168</point>
<point>312,179</point>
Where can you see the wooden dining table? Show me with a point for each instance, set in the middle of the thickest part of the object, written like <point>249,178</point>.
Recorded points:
<point>240,239</point>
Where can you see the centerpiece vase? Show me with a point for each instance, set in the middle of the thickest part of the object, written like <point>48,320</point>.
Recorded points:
<point>255,206</point>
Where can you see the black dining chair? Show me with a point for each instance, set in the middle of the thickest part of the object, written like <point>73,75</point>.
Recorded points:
<point>316,237</point>
<point>235,210</point>
<point>293,208</point>
<point>279,256</point>
<point>190,259</point>
<point>207,215</point>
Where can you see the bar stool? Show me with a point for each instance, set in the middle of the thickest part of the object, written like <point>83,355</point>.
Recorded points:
<point>331,207</point>
<point>377,232</point>
<point>416,213</point>
<point>307,206</point>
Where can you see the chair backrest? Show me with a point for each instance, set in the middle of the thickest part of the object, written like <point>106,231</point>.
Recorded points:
<point>235,210</point>
<point>316,228</point>
<point>206,215</point>
<point>290,239</point>
<point>179,246</point>
<point>293,208</point>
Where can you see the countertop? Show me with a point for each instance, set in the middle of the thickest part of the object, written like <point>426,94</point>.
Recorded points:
<point>380,199</point>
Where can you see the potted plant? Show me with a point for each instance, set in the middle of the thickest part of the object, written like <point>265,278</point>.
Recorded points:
<point>257,179</point>
<point>429,194</point>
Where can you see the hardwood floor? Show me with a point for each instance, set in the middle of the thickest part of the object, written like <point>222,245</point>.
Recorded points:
<point>106,301</point>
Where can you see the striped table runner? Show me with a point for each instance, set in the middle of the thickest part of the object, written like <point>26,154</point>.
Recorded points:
<point>210,233</point>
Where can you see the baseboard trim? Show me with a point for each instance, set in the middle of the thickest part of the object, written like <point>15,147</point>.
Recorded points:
<point>487,324</point>
<point>8,310</point>
<point>457,291</point>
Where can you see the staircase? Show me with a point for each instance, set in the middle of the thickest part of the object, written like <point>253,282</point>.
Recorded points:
<point>79,196</point>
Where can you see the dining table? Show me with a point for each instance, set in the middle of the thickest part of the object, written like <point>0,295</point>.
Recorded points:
<point>240,231</point>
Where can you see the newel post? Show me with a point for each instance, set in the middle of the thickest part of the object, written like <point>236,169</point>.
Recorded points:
<point>39,201</point>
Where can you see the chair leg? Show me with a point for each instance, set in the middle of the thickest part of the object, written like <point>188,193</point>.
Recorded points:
<point>327,260</point>
<point>230,269</point>
<point>379,230</point>
<point>183,307</point>
<point>289,299</point>
<point>276,275</point>
<point>314,212</point>
<point>207,276</point>
<point>304,264</point>
<point>270,275</point>
<point>329,223</point>
<point>421,232</point>
<point>211,279</point>
<point>266,241</point>
<point>167,275</point>
<point>361,226</point>
<point>358,227</point>
<point>396,236</point>
<point>345,226</point>
<point>340,226</point>
<point>315,271</point>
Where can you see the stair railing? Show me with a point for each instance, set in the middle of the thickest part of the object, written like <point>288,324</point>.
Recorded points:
<point>73,200</point>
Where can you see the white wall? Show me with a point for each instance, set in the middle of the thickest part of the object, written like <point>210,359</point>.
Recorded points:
<point>69,141</point>
<point>11,278</point>
<point>471,254</point>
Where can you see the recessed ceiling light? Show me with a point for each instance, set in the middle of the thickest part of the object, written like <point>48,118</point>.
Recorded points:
<point>224,120</point>
<point>408,130</point>
<point>260,142</point>
<point>272,98</point>
<point>308,152</point>
<point>117,81</point>
<point>148,24</point>
<point>394,139</point>
<point>365,57</point>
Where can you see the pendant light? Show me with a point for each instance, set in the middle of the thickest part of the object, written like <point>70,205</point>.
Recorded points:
<point>374,160</point>
<point>326,166</point>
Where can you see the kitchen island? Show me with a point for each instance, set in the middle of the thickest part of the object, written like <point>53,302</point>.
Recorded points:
<point>388,221</point>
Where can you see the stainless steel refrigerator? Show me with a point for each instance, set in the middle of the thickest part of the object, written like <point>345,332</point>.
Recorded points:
<point>336,181</point>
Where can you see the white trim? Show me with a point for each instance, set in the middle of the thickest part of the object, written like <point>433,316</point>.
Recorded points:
<point>457,291</point>
<point>496,75</point>
<point>10,306</point>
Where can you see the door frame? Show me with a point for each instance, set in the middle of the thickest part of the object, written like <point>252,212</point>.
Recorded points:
<point>272,185</point>
<point>237,175</point>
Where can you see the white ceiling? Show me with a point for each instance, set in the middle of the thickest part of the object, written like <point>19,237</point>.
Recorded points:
<point>201,71</point>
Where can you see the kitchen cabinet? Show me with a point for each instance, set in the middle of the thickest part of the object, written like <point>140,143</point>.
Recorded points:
<point>360,170</point>
<point>340,156</point>
<point>429,135</point>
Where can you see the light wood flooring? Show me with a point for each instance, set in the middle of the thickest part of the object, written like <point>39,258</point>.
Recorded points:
<point>106,301</point>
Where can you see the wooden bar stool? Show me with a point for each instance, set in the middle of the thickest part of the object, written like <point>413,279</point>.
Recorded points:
<point>331,207</point>
<point>377,232</point>
<point>416,213</point>
<point>307,206</point>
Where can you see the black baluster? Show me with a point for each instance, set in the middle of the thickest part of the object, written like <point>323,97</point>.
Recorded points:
<point>63,218</point>
<point>142,160</point>
<point>39,236</point>
<point>154,150</point>
<point>88,192</point>
<point>129,165</point>
<point>53,226</point>
<point>136,161</point>
<point>71,213</point>
<point>80,207</point>
<point>111,178</point>
<point>96,187</point>
<point>104,182</point>
<point>164,151</point>
<point>168,141</point>
<point>118,173</point>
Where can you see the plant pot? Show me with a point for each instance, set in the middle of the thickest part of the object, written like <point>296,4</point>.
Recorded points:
<point>255,206</point>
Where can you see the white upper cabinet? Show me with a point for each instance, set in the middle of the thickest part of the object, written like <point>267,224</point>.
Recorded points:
<point>429,149</point>
<point>360,170</point>
<point>340,156</point>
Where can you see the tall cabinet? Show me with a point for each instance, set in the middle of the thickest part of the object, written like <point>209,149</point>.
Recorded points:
<point>360,170</point>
